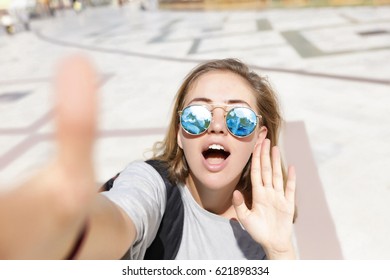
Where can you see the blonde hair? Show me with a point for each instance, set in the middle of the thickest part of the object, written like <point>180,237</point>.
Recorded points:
<point>267,103</point>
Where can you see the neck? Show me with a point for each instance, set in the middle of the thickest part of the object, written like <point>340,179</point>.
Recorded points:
<point>214,200</point>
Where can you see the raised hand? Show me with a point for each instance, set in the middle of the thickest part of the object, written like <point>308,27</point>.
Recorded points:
<point>270,220</point>
<point>42,218</point>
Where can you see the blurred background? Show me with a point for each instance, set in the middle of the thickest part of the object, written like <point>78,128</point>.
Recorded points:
<point>329,61</point>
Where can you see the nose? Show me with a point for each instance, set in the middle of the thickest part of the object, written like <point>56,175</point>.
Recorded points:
<point>217,125</point>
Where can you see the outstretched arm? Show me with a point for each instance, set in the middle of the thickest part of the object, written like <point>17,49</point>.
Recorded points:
<point>270,220</point>
<point>43,218</point>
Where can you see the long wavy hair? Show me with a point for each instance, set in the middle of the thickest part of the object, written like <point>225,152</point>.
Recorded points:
<point>169,151</point>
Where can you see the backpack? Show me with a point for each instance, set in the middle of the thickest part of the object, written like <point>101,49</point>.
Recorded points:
<point>168,238</point>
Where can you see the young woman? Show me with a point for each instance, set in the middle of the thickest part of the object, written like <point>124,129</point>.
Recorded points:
<point>220,152</point>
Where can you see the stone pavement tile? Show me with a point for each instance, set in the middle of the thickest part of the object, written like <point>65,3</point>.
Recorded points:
<point>33,155</point>
<point>8,142</point>
<point>347,124</point>
<point>27,112</point>
<point>114,153</point>
<point>350,38</point>
<point>367,14</point>
<point>369,66</point>
<point>315,230</point>
<point>245,41</point>
<point>283,20</point>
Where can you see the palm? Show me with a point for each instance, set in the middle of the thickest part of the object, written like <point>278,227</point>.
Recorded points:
<point>269,221</point>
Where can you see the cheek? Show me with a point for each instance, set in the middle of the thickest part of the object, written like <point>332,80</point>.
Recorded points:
<point>245,151</point>
<point>188,144</point>
<point>185,141</point>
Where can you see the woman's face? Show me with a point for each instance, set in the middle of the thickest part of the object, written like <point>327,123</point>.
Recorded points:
<point>216,158</point>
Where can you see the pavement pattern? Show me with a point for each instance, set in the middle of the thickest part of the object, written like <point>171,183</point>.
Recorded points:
<point>330,67</point>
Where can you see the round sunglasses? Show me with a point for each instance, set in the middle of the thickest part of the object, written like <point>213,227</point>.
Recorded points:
<point>240,121</point>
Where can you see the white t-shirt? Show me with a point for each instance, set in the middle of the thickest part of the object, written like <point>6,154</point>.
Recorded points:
<point>141,192</point>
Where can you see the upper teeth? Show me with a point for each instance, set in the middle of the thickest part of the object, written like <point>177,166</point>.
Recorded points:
<point>216,147</point>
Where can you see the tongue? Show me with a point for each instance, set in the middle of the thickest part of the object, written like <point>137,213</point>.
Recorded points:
<point>215,160</point>
<point>215,157</point>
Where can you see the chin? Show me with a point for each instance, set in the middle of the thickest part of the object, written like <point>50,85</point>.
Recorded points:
<point>225,174</point>
<point>217,181</point>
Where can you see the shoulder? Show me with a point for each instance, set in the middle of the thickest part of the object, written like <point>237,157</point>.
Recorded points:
<point>139,179</point>
<point>140,169</point>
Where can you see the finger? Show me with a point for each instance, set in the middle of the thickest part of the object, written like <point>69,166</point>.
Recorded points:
<point>265,161</point>
<point>291,185</point>
<point>76,87</point>
<point>277,174</point>
<point>240,207</point>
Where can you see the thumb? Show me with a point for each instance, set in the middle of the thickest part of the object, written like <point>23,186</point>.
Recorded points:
<point>76,93</point>
<point>240,207</point>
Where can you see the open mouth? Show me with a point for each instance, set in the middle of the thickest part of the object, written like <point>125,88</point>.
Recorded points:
<point>215,154</point>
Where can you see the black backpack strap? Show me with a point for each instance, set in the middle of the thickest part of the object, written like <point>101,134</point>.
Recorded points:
<point>109,184</point>
<point>167,242</point>
<point>168,239</point>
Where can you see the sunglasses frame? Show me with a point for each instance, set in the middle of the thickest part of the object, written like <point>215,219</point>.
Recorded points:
<point>226,112</point>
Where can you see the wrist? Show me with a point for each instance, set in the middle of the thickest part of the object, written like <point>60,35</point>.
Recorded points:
<point>287,253</point>
<point>78,242</point>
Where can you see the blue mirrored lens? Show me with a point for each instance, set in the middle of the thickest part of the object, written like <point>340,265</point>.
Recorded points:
<point>241,121</point>
<point>195,119</point>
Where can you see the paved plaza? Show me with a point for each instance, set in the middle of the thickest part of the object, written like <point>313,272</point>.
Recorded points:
<point>330,67</point>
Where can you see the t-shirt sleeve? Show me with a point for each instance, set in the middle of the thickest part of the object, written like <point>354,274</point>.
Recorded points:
<point>140,191</point>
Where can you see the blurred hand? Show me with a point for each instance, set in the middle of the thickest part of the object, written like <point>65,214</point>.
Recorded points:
<point>270,220</point>
<point>42,218</point>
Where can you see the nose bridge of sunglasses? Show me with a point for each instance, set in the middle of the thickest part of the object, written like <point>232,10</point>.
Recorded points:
<point>224,110</point>
<point>218,115</point>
